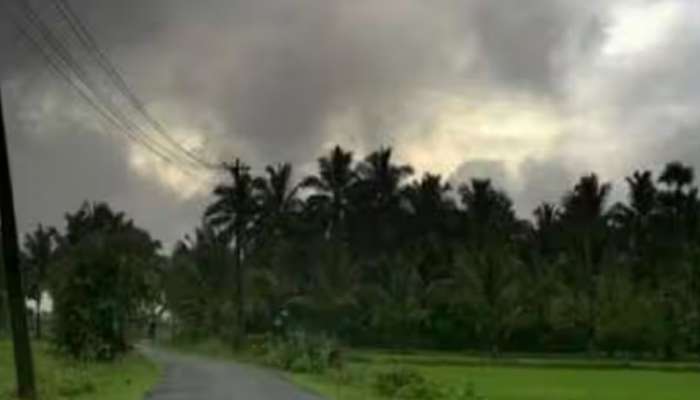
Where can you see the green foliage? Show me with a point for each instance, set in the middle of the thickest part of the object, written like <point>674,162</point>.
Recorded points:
<point>509,378</point>
<point>63,378</point>
<point>630,319</point>
<point>465,391</point>
<point>404,383</point>
<point>378,260</point>
<point>197,287</point>
<point>105,279</point>
<point>348,375</point>
<point>302,352</point>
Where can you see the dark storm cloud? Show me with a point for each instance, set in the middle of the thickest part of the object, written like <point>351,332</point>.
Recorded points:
<point>60,159</point>
<point>518,42</point>
<point>269,81</point>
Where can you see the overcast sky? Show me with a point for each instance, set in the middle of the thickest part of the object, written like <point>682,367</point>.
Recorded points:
<point>532,93</point>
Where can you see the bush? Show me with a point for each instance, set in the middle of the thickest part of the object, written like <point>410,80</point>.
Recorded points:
<point>419,391</point>
<point>465,392</point>
<point>404,383</point>
<point>350,375</point>
<point>75,383</point>
<point>302,352</point>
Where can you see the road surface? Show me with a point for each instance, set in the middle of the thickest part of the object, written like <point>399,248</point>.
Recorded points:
<point>189,377</point>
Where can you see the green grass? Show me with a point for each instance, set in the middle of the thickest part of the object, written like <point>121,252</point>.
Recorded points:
<point>525,379</point>
<point>520,377</point>
<point>443,358</point>
<point>61,379</point>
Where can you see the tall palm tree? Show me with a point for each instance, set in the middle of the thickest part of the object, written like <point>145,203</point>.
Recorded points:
<point>332,186</point>
<point>428,197</point>
<point>680,201</point>
<point>431,210</point>
<point>489,212</point>
<point>40,246</point>
<point>376,225</point>
<point>382,179</point>
<point>642,193</point>
<point>634,224</point>
<point>585,204</point>
<point>586,220</point>
<point>546,235</point>
<point>488,264</point>
<point>197,285</point>
<point>278,196</point>
<point>234,212</point>
<point>277,274</point>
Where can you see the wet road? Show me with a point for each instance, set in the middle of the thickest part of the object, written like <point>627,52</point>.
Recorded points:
<point>188,377</point>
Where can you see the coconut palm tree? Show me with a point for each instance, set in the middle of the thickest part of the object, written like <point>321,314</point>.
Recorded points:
<point>234,213</point>
<point>430,210</point>
<point>489,213</point>
<point>679,202</point>
<point>642,194</point>
<point>428,197</point>
<point>381,179</point>
<point>377,222</point>
<point>278,197</point>
<point>332,189</point>
<point>488,264</point>
<point>587,238</point>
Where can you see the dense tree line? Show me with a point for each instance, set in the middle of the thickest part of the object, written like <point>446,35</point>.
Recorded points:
<point>364,252</point>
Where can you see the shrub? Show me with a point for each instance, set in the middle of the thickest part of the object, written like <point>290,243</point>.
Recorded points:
<point>302,352</point>
<point>465,392</point>
<point>74,383</point>
<point>419,391</point>
<point>403,383</point>
<point>350,375</point>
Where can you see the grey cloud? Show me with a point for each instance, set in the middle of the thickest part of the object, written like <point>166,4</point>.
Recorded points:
<point>263,79</point>
<point>535,180</point>
<point>495,170</point>
<point>520,44</point>
<point>59,161</point>
<point>541,180</point>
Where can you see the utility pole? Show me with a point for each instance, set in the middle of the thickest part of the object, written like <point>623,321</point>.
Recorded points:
<point>18,319</point>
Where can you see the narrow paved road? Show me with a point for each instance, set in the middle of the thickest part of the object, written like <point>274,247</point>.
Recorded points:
<point>195,378</point>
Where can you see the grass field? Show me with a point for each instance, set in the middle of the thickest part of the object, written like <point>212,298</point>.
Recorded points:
<point>61,379</point>
<point>509,378</point>
<point>523,379</point>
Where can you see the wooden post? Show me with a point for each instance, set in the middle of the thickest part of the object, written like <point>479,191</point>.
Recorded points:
<point>18,318</point>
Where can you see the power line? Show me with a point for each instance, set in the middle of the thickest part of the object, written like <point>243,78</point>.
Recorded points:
<point>62,52</point>
<point>85,95</point>
<point>61,60</point>
<point>84,35</point>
